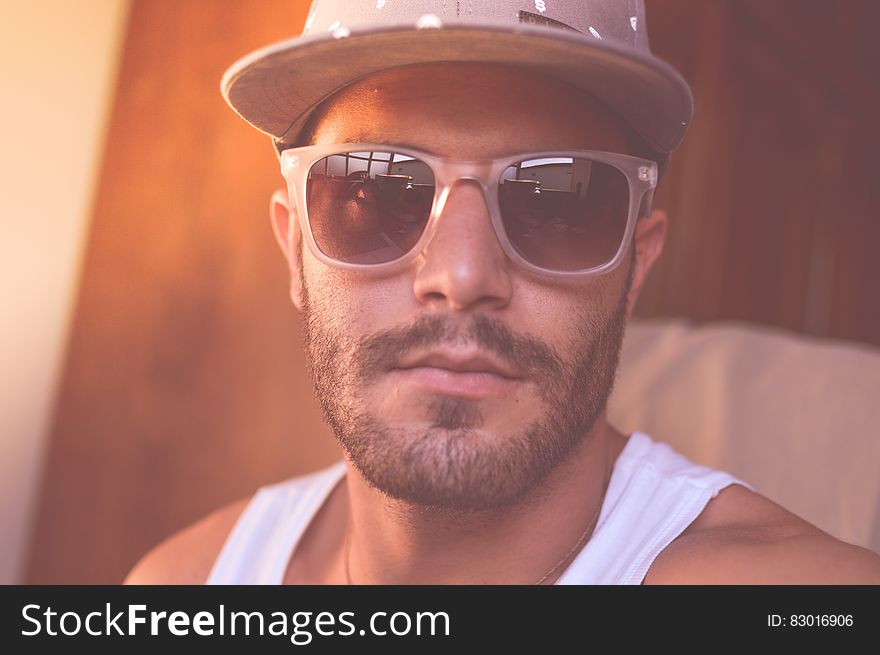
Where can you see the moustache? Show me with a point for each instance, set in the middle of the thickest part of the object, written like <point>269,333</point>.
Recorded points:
<point>380,352</point>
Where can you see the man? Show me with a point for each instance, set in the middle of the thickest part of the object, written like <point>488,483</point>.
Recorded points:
<point>468,226</point>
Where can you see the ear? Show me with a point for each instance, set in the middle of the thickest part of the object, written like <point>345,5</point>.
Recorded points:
<point>287,233</point>
<point>649,239</point>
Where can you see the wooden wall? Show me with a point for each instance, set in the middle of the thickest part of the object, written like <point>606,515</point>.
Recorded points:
<point>773,196</point>
<point>185,386</point>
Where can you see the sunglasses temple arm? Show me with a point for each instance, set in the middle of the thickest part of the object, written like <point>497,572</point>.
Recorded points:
<point>647,203</point>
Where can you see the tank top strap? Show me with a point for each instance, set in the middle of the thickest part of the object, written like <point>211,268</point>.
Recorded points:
<point>654,494</point>
<point>259,546</point>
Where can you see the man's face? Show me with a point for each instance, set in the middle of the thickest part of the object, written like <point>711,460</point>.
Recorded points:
<point>490,447</point>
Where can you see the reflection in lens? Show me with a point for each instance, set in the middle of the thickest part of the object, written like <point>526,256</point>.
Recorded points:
<point>564,213</point>
<point>368,207</point>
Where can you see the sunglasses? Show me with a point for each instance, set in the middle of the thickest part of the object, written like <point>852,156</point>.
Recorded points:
<point>371,207</point>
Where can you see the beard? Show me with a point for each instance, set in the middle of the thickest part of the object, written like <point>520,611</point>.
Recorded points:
<point>449,463</point>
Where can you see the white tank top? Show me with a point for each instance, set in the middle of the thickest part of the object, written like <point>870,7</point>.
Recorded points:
<point>654,493</point>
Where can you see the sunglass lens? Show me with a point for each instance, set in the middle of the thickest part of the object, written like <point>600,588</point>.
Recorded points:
<point>564,213</point>
<point>368,207</point>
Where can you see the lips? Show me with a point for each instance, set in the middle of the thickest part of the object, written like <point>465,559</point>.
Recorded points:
<point>462,363</point>
<point>467,375</point>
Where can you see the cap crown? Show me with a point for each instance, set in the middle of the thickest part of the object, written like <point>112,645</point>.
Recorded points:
<point>620,21</point>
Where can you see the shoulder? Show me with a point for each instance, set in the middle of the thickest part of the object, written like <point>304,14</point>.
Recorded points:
<point>743,537</point>
<point>187,556</point>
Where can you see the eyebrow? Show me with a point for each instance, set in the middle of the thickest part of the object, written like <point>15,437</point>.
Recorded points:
<point>402,143</point>
<point>397,143</point>
<point>391,143</point>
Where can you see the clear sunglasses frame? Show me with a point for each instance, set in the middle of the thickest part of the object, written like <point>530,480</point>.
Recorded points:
<point>640,173</point>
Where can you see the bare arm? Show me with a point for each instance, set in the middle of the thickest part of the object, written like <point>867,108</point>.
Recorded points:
<point>187,556</point>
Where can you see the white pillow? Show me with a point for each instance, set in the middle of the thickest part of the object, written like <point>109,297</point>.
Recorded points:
<point>797,417</point>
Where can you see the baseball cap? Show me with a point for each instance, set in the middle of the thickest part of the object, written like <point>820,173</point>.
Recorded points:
<point>600,46</point>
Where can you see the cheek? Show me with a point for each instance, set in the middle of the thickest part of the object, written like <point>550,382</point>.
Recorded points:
<point>351,305</point>
<point>559,313</point>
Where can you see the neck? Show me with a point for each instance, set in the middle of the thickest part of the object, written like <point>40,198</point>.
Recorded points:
<point>394,542</point>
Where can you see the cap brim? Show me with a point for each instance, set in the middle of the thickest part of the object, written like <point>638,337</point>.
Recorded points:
<point>275,88</point>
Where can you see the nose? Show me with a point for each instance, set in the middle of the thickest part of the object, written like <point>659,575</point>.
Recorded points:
<point>464,266</point>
